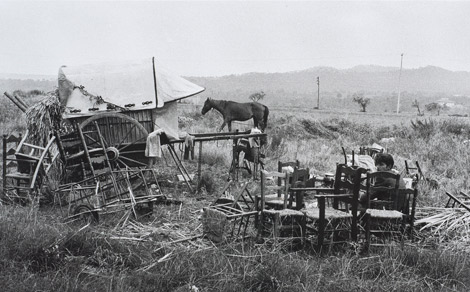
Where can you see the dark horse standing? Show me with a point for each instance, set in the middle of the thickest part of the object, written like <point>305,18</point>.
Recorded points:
<point>234,111</point>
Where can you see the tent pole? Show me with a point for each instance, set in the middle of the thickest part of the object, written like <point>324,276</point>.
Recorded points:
<point>155,81</point>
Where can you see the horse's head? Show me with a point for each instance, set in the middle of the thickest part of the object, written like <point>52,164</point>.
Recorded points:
<point>207,106</point>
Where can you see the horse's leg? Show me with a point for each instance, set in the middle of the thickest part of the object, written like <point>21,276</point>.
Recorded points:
<point>223,125</point>
<point>255,122</point>
<point>229,126</point>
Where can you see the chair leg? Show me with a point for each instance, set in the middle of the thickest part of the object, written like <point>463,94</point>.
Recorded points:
<point>321,221</point>
<point>246,224</point>
<point>411,231</point>
<point>259,222</point>
<point>367,242</point>
<point>304,229</point>
<point>276,226</point>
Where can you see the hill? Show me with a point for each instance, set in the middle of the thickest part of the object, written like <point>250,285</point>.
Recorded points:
<point>429,80</point>
<point>380,84</point>
<point>426,85</point>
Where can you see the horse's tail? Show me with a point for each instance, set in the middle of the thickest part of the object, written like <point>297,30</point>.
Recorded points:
<point>265,117</point>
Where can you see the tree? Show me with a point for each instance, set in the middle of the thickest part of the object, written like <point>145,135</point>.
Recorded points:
<point>416,105</point>
<point>257,96</point>
<point>361,100</point>
<point>436,107</point>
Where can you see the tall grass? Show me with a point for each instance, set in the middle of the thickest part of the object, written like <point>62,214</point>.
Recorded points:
<point>44,254</point>
<point>38,252</point>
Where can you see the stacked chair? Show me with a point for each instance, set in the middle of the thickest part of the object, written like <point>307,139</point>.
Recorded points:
<point>390,216</point>
<point>335,219</point>
<point>277,212</point>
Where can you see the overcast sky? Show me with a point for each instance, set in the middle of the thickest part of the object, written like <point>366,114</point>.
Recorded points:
<point>215,38</point>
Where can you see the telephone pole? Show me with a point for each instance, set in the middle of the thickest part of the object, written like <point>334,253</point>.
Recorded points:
<point>318,94</point>
<point>399,81</point>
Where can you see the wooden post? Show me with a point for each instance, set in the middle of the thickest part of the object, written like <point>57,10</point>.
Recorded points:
<point>321,223</point>
<point>4,175</point>
<point>318,93</point>
<point>235,157</point>
<point>399,81</point>
<point>199,161</point>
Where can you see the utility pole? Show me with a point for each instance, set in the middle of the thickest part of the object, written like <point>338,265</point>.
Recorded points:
<point>399,81</point>
<point>318,95</point>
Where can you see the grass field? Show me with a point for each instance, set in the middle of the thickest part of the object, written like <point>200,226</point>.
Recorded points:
<point>39,252</point>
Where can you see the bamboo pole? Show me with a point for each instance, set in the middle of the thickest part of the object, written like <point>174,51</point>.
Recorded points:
<point>15,101</point>
<point>20,100</point>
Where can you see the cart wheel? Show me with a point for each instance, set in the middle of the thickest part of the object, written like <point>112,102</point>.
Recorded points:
<point>86,214</point>
<point>116,140</point>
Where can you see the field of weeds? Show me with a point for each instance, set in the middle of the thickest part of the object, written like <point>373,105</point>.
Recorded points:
<point>39,252</point>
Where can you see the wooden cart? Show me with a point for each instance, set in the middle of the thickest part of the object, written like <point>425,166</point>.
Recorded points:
<point>110,110</point>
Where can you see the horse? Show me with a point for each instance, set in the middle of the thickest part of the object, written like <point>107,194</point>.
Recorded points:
<point>235,111</point>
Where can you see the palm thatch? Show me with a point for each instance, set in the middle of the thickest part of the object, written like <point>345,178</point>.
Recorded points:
<point>43,118</point>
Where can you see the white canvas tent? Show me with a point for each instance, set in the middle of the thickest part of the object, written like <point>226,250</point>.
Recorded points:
<point>124,86</point>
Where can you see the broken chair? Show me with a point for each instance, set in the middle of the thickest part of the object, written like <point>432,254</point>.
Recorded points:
<point>235,205</point>
<point>462,200</point>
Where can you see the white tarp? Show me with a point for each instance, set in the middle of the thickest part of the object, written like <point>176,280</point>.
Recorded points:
<point>89,89</point>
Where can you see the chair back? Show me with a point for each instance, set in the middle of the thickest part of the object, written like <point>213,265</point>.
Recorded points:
<point>382,191</point>
<point>282,186</point>
<point>348,180</point>
<point>236,195</point>
<point>300,174</point>
<point>414,172</point>
<point>280,168</point>
<point>298,179</point>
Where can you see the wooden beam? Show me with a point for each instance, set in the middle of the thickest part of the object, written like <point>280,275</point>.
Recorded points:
<point>15,101</point>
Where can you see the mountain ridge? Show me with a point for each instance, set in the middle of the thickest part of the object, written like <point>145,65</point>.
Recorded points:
<point>361,78</point>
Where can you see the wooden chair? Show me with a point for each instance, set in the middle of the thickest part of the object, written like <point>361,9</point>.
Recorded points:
<point>235,205</point>
<point>462,200</point>
<point>414,172</point>
<point>389,210</point>
<point>335,218</point>
<point>278,222</point>
<point>294,201</point>
<point>407,205</point>
<point>285,166</point>
<point>282,167</point>
<point>33,164</point>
